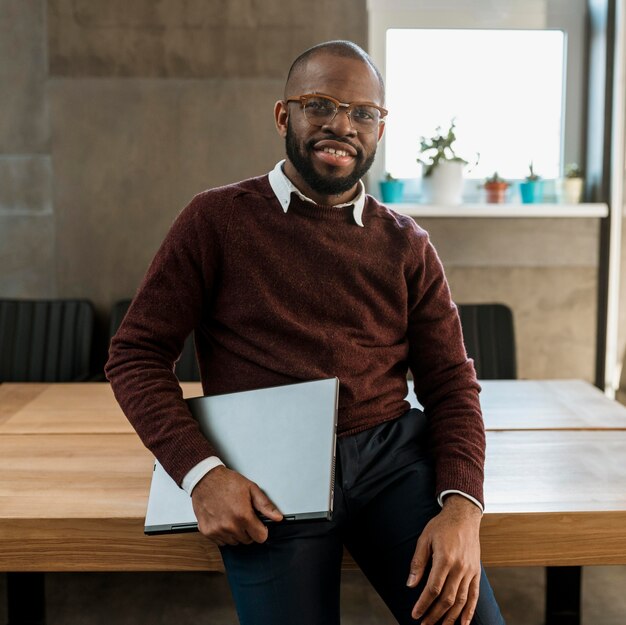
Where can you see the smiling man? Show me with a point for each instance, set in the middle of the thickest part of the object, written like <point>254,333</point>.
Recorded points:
<point>299,275</point>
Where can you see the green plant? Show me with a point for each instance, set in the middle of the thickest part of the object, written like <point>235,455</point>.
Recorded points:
<point>532,176</point>
<point>496,179</point>
<point>572,170</point>
<point>439,148</point>
<point>389,177</point>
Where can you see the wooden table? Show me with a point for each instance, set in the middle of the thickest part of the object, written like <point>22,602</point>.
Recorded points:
<point>74,480</point>
<point>555,495</point>
<point>76,502</point>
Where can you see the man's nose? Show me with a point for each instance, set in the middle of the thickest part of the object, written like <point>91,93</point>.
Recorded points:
<point>341,124</point>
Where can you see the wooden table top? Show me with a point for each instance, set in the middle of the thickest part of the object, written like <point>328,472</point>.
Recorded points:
<point>549,405</point>
<point>27,408</point>
<point>63,408</point>
<point>545,471</point>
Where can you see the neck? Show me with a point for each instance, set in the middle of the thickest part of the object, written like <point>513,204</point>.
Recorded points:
<point>319,198</point>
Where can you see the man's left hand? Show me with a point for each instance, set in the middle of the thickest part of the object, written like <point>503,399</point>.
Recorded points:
<point>450,541</point>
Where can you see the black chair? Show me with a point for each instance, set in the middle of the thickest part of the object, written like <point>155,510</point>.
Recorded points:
<point>490,340</point>
<point>187,366</point>
<point>45,340</point>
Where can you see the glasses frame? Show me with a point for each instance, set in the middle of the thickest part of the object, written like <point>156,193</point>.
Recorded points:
<point>302,99</point>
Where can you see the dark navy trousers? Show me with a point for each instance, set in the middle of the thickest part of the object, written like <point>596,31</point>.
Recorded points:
<point>384,497</point>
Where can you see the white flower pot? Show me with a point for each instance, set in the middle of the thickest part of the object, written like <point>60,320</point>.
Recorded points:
<point>569,190</point>
<point>445,185</point>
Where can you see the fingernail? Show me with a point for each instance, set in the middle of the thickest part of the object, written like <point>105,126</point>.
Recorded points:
<point>412,579</point>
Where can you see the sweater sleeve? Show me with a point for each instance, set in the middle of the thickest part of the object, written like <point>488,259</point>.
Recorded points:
<point>142,355</point>
<point>444,377</point>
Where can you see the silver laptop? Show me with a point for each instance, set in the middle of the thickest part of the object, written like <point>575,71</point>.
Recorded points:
<point>283,438</point>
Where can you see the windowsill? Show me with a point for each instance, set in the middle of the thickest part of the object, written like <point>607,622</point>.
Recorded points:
<point>509,210</point>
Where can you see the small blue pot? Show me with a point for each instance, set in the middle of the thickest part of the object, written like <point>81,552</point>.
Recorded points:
<point>391,190</point>
<point>531,191</point>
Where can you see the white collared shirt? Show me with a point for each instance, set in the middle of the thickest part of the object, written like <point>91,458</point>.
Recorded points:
<point>283,188</point>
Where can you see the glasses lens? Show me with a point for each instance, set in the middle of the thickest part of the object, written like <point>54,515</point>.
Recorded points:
<point>319,110</point>
<point>364,118</point>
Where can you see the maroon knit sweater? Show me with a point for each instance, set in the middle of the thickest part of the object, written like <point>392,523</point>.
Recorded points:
<point>276,298</point>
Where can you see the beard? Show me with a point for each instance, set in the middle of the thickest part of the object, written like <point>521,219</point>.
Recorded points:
<point>299,155</point>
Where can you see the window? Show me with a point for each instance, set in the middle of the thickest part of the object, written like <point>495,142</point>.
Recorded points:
<point>503,88</point>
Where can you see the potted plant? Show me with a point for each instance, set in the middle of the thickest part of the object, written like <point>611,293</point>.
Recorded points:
<point>391,189</point>
<point>442,167</point>
<point>496,187</point>
<point>570,187</point>
<point>532,188</point>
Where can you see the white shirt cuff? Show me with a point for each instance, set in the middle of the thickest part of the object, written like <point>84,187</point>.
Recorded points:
<point>198,472</point>
<point>458,492</point>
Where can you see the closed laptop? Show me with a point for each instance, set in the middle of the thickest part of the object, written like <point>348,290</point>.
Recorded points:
<point>283,438</point>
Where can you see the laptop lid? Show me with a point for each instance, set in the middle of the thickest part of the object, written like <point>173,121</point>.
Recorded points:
<point>283,438</point>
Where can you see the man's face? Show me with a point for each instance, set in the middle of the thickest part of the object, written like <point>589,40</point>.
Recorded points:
<point>329,160</point>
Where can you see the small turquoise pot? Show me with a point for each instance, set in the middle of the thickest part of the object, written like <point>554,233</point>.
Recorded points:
<point>531,191</point>
<point>391,190</point>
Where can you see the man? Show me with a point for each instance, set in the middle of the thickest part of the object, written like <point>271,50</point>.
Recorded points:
<point>296,276</point>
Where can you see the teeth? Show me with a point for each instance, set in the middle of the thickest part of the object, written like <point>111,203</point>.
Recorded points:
<point>337,152</point>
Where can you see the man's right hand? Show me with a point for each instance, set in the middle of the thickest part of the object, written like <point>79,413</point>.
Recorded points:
<point>226,505</point>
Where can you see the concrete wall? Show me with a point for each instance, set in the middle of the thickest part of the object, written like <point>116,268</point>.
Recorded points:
<point>544,269</point>
<point>27,252</point>
<point>113,114</point>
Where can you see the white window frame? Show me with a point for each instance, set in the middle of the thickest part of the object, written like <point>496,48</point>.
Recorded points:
<point>567,15</point>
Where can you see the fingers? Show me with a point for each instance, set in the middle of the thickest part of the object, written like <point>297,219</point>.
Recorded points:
<point>418,563</point>
<point>438,595</point>
<point>449,605</point>
<point>225,504</point>
<point>264,505</point>
<point>257,531</point>
<point>225,533</point>
<point>472,600</point>
<point>447,595</point>
<point>241,526</point>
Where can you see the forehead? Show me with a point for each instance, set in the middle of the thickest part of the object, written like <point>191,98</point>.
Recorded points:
<point>347,79</point>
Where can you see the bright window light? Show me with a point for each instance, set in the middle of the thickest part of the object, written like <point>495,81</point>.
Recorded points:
<point>503,88</point>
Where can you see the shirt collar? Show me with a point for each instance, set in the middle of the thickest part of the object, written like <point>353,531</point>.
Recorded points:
<point>283,188</point>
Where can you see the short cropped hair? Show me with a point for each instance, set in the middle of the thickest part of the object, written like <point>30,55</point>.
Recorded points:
<point>338,47</point>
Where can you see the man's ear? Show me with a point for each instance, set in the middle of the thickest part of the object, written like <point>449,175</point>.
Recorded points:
<point>381,130</point>
<point>281,115</point>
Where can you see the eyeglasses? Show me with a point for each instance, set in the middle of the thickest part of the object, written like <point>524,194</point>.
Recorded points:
<point>320,110</point>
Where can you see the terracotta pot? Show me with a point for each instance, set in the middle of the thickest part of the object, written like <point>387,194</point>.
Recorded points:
<point>496,192</point>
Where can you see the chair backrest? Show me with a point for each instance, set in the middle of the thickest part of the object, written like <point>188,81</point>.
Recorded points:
<point>45,340</point>
<point>187,366</point>
<point>490,340</point>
